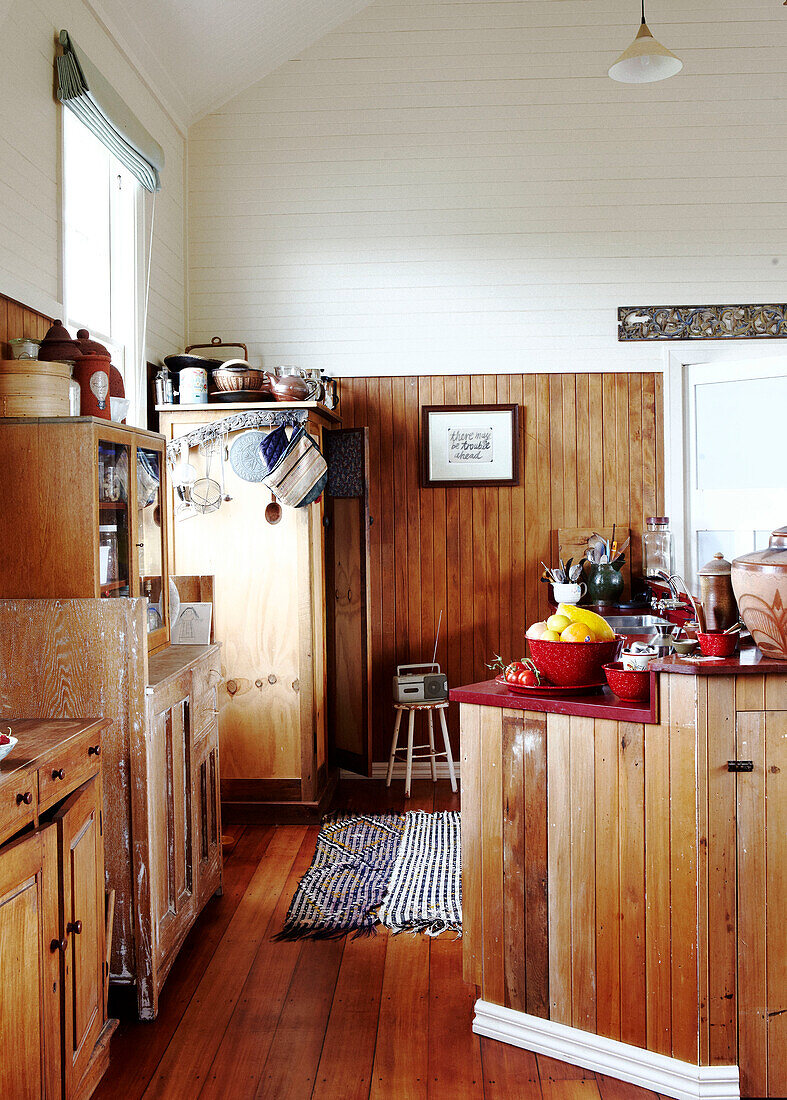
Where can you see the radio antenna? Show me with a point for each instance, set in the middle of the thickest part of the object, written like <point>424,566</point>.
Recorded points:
<point>437,637</point>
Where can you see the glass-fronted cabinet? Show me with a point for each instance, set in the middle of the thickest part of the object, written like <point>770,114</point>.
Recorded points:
<point>88,517</point>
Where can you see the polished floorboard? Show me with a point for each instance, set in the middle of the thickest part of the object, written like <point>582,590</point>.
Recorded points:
<point>384,1018</point>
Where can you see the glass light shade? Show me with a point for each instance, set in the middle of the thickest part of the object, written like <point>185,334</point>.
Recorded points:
<point>645,60</point>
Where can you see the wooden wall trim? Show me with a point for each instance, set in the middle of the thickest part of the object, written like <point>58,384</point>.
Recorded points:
<point>591,453</point>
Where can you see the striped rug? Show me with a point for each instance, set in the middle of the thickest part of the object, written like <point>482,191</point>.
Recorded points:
<point>347,878</point>
<point>425,891</point>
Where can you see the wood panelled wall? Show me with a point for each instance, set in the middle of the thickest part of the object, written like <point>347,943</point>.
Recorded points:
<point>591,453</point>
<point>17,320</point>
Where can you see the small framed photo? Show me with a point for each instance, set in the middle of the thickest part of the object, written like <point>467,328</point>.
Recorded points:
<point>192,626</point>
<point>469,445</point>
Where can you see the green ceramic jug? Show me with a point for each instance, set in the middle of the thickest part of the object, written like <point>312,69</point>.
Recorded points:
<point>605,583</point>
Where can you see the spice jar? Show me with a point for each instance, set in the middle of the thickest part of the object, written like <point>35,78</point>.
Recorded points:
<point>716,594</point>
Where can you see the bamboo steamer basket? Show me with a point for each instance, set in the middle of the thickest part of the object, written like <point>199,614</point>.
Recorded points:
<point>29,387</point>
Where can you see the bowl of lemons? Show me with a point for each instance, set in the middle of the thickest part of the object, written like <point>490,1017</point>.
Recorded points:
<point>571,647</point>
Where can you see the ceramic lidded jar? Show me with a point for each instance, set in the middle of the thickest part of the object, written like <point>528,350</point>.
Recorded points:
<point>92,371</point>
<point>58,347</point>
<point>718,598</point>
<point>759,581</point>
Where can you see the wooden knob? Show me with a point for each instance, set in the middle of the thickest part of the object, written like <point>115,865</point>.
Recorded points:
<point>58,773</point>
<point>94,750</point>
<point>58,945</point>
<point>74,926</point>
<point>27,798</point>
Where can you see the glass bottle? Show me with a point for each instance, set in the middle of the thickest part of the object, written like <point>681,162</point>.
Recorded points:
<point>74,394</point>
<point>657,546</point>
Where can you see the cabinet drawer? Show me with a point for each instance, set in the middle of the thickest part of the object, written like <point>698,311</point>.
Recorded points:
<point>66,769</point>
<point>15,810</point>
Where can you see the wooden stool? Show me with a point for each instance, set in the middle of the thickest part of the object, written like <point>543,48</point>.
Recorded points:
<point>430,754</point>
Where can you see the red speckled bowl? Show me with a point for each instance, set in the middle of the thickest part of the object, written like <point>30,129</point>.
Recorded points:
<point>717,645</point>
<point>571,663</point>
<point>628,683</point>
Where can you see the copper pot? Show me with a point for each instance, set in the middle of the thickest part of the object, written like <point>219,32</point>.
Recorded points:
<point>291,387</point>
<point>718,598</point>
<point>759,581</point>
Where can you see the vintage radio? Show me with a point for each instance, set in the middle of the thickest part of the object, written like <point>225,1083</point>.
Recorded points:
<point>427,684</point>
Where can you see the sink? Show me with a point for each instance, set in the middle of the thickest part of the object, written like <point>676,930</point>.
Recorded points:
<point>638,624</point>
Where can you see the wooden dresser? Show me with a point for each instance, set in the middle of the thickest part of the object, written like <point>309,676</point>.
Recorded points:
<point>53,917</point>
<point>162,828</point>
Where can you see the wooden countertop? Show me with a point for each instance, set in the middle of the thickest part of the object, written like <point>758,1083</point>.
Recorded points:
<point>39,736</point>
<point>174,660</point>
<point>603,704</point>
<point>748,661</point>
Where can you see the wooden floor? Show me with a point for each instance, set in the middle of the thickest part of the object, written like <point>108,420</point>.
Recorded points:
<point>386,1017</point>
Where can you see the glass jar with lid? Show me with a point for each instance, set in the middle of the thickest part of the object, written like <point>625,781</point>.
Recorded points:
<point>657,546</point>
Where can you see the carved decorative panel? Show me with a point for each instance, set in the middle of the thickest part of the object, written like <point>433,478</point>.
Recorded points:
<point>742,322</point>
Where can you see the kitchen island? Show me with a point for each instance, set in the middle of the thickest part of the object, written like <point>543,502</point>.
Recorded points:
<point>616,862</point>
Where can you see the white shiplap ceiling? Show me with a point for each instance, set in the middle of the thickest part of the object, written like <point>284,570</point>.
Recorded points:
<point>197,54</point>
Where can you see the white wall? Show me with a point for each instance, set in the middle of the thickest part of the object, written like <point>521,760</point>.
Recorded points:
<point>30,141</point>
<point>440,187</point>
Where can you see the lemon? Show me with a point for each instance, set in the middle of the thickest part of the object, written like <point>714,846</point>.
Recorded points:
<point>577,632</point>
<point>600,627</point>
<point>549,636</point>
<point>558,623</point>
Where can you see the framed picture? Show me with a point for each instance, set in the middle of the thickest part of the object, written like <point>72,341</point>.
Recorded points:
<point>465,445</point>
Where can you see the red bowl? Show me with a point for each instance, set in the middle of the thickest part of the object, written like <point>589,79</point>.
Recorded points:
<point>573,663</point>
<point>627,683</point>
<point>717,645</point>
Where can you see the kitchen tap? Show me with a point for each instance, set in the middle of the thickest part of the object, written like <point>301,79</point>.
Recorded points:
<point>670,580</point>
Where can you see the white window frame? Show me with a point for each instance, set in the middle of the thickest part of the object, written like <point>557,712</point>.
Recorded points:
<point>126,356</point>
<point>678,463</point>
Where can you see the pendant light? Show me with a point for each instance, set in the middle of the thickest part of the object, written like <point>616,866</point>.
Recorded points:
<point>646,59</point>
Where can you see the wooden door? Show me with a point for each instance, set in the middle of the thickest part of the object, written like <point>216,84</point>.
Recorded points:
<point>170,802</point>
<point>30,969</point>
<point>81,848</point>
<point>347,596</point>
<point>207,814</point>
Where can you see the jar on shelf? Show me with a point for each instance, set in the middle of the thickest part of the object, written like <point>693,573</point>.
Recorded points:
<point>657,546</point>
<point>107,554</point>
<point>74,394</point>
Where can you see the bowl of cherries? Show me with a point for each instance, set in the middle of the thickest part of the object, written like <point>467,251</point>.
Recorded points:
<point>7,742</point>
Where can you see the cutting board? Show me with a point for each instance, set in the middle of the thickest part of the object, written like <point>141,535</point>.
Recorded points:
<point>572,542</point>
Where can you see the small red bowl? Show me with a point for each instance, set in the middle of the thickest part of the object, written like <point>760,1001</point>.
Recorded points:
<point>630,684</point>
<point>717,645</point>
<point>570,664</point>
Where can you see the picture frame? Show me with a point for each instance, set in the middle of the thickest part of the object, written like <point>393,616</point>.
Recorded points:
<point>466,446</point>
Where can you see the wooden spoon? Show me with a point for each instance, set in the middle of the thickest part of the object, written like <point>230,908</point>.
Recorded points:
<point>273,510</point>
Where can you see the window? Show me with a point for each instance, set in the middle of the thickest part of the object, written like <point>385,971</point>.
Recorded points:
<point>734,483</point>
<point>102,210</point>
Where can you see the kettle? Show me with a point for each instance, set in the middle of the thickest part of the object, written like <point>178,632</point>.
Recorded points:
<point>716,594</point>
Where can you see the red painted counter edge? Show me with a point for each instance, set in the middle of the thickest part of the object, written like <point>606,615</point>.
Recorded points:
<point>604,704</point>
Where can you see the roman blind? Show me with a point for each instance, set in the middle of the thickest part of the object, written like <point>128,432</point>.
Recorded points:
<point>82,88</point>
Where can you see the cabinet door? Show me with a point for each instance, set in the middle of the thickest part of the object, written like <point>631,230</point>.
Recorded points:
<point>170,800</point>
<point>81,844</point>
<point>207,815</point>
<point>150,540</point>
<point>30,1001</point>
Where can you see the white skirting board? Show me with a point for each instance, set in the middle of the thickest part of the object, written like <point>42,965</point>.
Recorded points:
<point>421,770</point>
<point>668,1076</point>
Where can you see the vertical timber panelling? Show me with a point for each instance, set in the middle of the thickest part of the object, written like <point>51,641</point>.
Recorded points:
<point>776,888</point>
<point>752,895</point>
<point>590,451</point>
<point>514,934</point>
<point>658,952</point>
<point>491,740</point>
<point>536,871</point>
<point>17,320</point>
<point>472,832</point>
